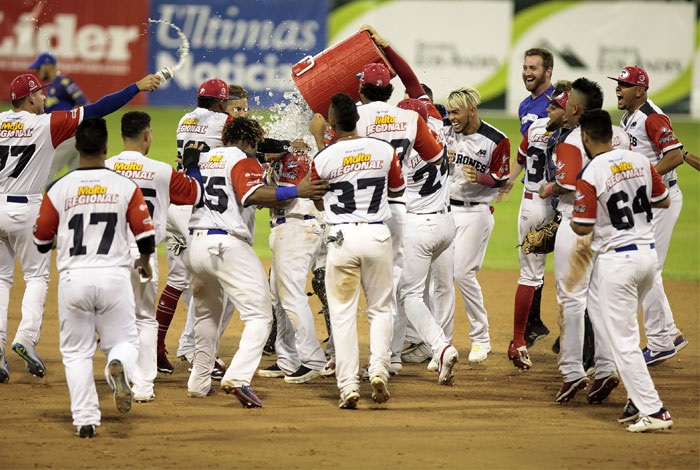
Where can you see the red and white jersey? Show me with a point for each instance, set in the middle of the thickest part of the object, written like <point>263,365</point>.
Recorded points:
<point>160,184</point>
<point>92,213</point>
<point>290,170</point>
<point>201,125</point>
<point>359,170</point>
<point>229,177</point>
<point>27,144</point>
<point>570,159</point>
<point>615,194</point>
<point>651,134</point>
<point>487,150</point>
<point>402,128</point>
<point>532,153</point>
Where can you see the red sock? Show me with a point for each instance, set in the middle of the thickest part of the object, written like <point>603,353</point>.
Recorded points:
<point>523,302</point>
<point>165,311</point>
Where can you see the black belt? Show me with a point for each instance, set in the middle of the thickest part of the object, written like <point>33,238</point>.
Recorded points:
<point>630,248</point>
<point>281,220</point>
<point>455,202</point>
<point>396,202</point>
<point>360,223</point>
<point>18,199</point>
<point>212,231</point>
<point>443,211</point>
<point>672,183</point>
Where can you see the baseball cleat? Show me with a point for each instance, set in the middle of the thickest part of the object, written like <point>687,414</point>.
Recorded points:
<point>145,398</point>
<point>163,364</point>
<point>479,352</point>
<point>4,369</point>
<point>568,390</point>
<point>348,401</point>
<point>122,394</point>
<point>86,431</point>
<point>679,342</point>
<point>534,333</point>
<point>192,394</point>
<point>519,356</point>
<point>271,372</point>
<point>329,369</point>
<point>449,356</point>
<point>245,395</point>
<point>630,413</point>
<point>653,358</point>
<point>657,422</point>
<point>35,365</point>
<point>219,369</point>
<point>380,390</point>
<point>302,375</point>
<point>602,388</point>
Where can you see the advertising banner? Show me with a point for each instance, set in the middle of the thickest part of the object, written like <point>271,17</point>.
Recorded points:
<point>251,44</point>
<point>101,49</point>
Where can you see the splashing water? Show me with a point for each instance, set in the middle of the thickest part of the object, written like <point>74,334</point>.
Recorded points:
<point>289,120</point>
<point>182,51</point>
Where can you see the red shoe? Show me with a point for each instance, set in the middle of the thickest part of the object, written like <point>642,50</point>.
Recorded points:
<point>519,356</point>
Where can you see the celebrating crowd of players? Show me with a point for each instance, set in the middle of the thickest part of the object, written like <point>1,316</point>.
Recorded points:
<point>393,200</point>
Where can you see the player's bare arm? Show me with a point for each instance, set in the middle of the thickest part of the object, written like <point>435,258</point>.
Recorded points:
<point>142,265</point>
<point>692,160</point>
<point>670,160</point>
<point>318,127</point>
<point>484,179</point>
<point>580,229</point>
<point>552,189</point>
<point>148,83</point>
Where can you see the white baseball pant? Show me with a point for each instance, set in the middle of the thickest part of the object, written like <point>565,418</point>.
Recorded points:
<point>533,211</point>
<point>16,240</point>
<point>364,258</point>
<point>473,225</point>
<point>617,300</point>
<point>226,266</point>
<point>294,245</point>
<point>94,300</point>
<point>396,225</point>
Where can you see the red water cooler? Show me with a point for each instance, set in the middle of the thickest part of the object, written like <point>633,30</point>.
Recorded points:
<point>333,70</point>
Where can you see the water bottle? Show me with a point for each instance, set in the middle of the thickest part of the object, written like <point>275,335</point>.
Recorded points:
<point>165,74</point>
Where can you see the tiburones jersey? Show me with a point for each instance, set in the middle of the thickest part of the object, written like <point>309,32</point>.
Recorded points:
<point>291,169</point>
<point>230,177</point>
<point>27,144</point>
<point>651,134</point>
<point>160,184</point>
<point>615,193</point>
<point>487,150</point>
<point>570,158</point>
<point>359,170</point>
<point>532,153</point>
<point>92,213</point>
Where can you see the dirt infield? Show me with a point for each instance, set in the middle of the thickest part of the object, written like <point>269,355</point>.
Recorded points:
<point>494,416</point>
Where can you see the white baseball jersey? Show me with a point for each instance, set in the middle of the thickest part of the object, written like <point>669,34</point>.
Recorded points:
<point>570,159</point>
<point>159,183</point>
<point>651,134</point>
<point>229,177</point>
<point>92,212</point>
<point>360,170</point>
<point>532,153</point>
<point>487,150</point>
<point>615,194</point>
<point>27,143</point>
<point>201,125</point>
<point>290,170</point>
<point>427,185</point>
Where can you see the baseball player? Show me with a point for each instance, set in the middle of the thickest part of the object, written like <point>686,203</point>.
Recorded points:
<point>533,210</point>
<point>538,64</point>
<point>479,157</point>
<point>295,238</point>
<point>222,262</point>
<point>651,134</point>
<point>360,170</point>
<point>203,124</point>
<point>62,94</point>
<point>570,158</point>
<point>92,214</point>
<point>28,139</point>
<point>614,201</point>
<point>429,233</point>
<point>161,186</point>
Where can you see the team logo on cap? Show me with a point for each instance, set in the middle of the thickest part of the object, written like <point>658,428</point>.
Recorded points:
<point>624,74</point>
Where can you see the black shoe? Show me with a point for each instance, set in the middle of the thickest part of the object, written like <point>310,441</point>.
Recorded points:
<point>269,348</point>
<point>163,364</point>
<point>86,431</point>
<point>302,375</point>
<point>555,346</point>
<point>534,333</point>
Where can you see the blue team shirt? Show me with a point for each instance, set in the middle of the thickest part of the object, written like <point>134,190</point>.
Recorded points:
<point>62,94</point>
<point>531,110</point>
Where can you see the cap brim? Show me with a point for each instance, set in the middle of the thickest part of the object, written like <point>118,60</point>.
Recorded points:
<point>35,65</point>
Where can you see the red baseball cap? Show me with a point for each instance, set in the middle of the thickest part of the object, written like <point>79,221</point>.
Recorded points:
<point>560,99</point>
<point>633,75</point>
<point>374,74</point>
<point>414,105</point>
<point>214,88</point>
<point>24,85</point>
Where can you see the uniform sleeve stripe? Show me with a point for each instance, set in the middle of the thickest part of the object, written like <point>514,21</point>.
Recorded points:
<point>661,197</point>
<point>584,221</point>
<point>245,197</point>
<point>145,234</point>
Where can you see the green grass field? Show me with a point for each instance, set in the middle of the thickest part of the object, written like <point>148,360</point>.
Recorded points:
<point>683,261</point>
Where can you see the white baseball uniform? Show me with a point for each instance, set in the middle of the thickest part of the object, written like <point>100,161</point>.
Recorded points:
<point>161,185</point>
<point>570,159</point>
<point>94,214</point>
<point>615,194</point>
<point>488,150</point>
<point>651,134</point>
<point>360,170</point>
<point>222,263</point>
<point>406,132</point>
<point>27,143</point>
<point>295,238</point>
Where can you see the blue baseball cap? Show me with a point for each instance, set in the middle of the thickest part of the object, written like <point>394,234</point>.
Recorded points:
<point>44,58</point>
